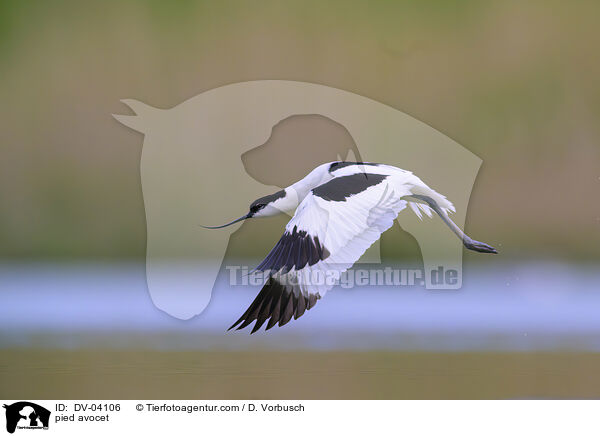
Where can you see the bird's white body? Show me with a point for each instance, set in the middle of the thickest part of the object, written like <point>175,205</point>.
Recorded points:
<point>350,227</point>
<point>297,192</point>
<point>341,209</point>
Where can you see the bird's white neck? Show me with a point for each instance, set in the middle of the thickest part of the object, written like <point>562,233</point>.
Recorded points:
<point>286,204</point>
<point>313,179</point>
<point>295,193</point>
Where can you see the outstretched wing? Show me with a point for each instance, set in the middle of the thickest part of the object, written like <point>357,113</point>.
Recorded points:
<point>331,229</point>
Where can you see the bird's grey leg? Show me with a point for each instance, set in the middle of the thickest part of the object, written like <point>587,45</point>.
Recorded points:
<point>468,242</point>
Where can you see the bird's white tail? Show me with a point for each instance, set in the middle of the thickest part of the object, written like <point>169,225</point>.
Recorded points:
<point>421,189</point>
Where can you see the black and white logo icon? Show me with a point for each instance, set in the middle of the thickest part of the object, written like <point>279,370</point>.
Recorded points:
<point>26,415</point>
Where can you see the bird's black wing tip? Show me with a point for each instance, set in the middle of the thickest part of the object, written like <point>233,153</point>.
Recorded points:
<point>277,303</point>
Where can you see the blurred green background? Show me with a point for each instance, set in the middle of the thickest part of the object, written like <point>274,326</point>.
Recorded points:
<point>514,82</point>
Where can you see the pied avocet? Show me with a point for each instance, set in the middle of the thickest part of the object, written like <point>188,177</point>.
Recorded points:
<point>341,209</point>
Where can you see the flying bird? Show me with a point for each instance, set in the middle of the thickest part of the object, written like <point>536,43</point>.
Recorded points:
<point>341,209</point>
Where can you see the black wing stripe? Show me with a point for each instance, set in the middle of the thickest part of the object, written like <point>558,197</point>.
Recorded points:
<point>312,300</point>
<point>265,313</point>
<point>250,318</point>
<point>301,255</point>
<point>341,188</point>
<point>269,259</point>
<point>306,253</point>
<point>287,261</point>
<point>288,311</point>
<point>251,313</point>
<point>285,300</point>
<point>301,306</point>
<point>275,315</point>
<point>314,254</point>
<point>343,164</point>
<point>281,259</point>
<point>276,303</point>
<point>294,250</point>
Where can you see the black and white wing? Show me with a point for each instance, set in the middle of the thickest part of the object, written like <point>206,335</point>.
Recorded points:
<point>331,229</point>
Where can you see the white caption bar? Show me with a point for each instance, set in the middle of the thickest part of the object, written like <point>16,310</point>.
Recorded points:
<point>301,417</point>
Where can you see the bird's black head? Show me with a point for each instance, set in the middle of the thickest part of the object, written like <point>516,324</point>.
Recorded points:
<point>258,208</point>
<point>258,205</point>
